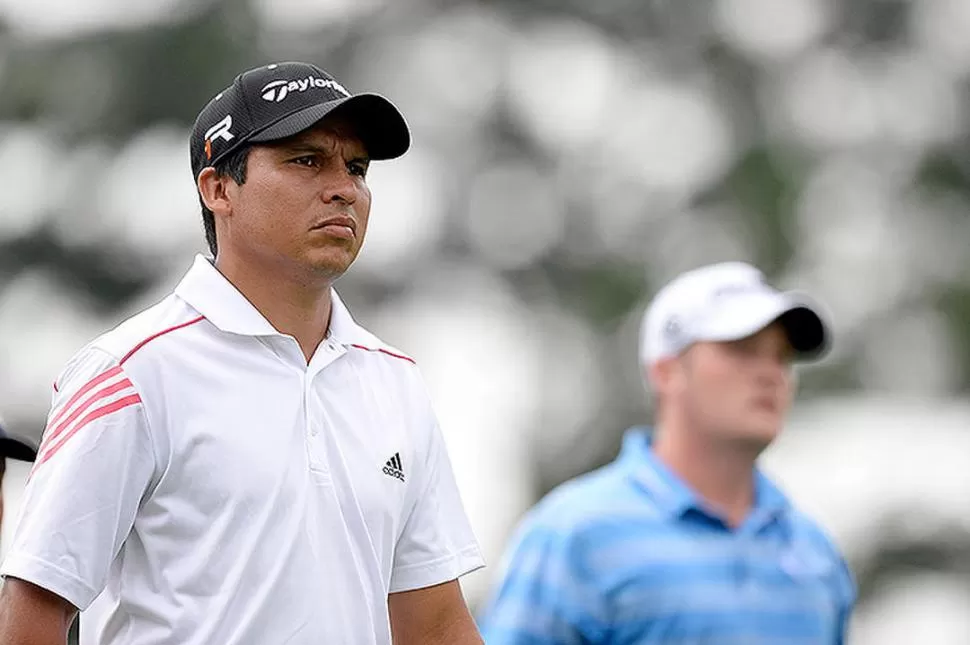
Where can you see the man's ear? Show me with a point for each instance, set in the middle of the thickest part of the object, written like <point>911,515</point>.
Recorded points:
<point>664,374</point>
<point>213,190</point>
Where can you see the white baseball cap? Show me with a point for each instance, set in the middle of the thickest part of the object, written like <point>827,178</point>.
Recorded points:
<point>724,302</point>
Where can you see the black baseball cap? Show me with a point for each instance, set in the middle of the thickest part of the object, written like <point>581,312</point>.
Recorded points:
<point>282,99</point>
<point>15,447</point>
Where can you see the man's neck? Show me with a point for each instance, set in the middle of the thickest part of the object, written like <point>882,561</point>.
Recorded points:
<point>721,475</point>
<point>298,307</point>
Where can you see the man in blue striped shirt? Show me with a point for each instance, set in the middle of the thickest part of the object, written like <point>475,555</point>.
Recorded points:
<point>682,540</point>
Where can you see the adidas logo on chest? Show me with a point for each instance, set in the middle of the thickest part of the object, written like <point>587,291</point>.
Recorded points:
<point>393,467</point>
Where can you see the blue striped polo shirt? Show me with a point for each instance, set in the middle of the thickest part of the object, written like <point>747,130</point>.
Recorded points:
<point>628,554</point>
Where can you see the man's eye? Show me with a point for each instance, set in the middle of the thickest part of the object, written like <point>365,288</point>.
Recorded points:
<point>307,160</point>
<point>358,168</point>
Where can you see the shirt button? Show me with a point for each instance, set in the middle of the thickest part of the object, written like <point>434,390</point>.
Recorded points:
<point>313,432</point>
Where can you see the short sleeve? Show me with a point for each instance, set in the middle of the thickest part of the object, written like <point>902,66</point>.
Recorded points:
<point>95,464</point>
<point>436,543</point>
<point>547,593</point>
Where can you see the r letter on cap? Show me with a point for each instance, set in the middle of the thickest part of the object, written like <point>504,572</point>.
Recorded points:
<point>218,131</point>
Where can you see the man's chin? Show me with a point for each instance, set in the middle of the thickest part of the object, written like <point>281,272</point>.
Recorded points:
<point>330,269</point>
<point>752,436</point>
<point>330,262</point>
<point>761,435</point>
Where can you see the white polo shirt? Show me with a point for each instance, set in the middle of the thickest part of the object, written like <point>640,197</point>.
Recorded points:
<point>199,483</point>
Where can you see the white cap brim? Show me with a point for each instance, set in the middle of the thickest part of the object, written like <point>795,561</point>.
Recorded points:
<point>745,316</point>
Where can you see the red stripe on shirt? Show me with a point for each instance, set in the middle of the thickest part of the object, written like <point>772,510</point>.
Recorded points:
<point>94,415</point>
<point>384,351</point>
<point>154,336</point>
<point>54,431</point>
<point>124,402</point>
<point>90,385</point>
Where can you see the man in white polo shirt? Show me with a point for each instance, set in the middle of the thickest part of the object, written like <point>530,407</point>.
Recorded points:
<point>243,464</point>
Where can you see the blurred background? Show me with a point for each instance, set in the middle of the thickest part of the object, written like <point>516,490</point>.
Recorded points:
<point>569,158</point>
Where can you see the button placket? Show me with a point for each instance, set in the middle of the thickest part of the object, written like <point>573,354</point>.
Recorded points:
<point>316,440</point>
<point>312,445</point>
<point>308,404</point>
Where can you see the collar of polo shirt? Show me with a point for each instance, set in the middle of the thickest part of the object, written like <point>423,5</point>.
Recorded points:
<point>673,495</point>
<point>213,296</point>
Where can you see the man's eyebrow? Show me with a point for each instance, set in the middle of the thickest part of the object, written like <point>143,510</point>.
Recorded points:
<point>306,146</point>
<point>303,146</point>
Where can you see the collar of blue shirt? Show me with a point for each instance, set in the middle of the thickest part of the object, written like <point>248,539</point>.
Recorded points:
<point>674,497</point>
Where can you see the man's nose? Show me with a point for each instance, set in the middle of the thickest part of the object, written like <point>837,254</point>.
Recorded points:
<point>340,186</point>
<point>771,370</point>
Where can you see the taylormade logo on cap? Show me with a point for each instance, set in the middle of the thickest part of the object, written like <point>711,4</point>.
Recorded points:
<point>276,91</point>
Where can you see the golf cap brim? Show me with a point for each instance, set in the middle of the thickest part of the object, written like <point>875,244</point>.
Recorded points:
<point>747,315</point>
<point>376,121</point>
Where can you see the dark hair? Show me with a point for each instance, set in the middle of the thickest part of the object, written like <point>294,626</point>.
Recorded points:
<point>233,166</point>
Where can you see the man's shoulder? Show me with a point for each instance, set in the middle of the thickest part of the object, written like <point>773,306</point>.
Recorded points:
<point>101,366</point>
<point>365,341</point>
<point>601,502</point>
<point>807,529</point>
<point>392,369</point>
<point>810,532</point>
<point>117,345</point>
